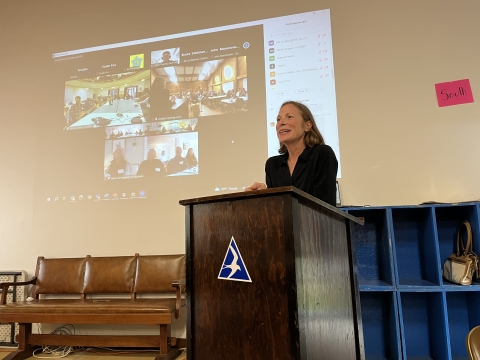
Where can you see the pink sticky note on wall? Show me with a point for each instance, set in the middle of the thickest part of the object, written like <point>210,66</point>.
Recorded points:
<point>454,93</point>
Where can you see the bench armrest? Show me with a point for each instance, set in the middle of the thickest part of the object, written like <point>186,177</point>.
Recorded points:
<point>179,286</point>
<point>4,287</point>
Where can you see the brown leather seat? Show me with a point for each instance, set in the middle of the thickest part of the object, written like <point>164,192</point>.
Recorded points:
<point>473,343</point>
<point>90,306</point>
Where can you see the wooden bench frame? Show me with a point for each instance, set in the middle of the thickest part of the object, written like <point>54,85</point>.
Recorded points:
<point>28,342</point>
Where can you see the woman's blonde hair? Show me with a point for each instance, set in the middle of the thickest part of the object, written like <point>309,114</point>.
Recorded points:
<point>312,137</point>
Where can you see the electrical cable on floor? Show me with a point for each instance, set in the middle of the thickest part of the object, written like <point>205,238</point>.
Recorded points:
<point>57,352</point>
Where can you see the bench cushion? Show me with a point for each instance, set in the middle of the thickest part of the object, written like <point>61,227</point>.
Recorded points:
<point>109,274</point>
<point>155,273</point>
<point>60,276</point>
<point>90,306</point>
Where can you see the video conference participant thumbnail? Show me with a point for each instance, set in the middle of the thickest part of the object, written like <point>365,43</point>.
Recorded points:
<point>165,57</point>
<point>110,100</point>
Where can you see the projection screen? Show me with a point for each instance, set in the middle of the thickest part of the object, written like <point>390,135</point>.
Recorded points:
<point>202,103</point>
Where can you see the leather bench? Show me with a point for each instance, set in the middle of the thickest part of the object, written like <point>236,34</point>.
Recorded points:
<point>100,290</point>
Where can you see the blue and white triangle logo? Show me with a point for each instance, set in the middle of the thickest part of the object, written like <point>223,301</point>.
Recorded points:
<point>233,267</point>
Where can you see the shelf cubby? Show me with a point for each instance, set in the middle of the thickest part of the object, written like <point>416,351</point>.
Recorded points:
<point>463,315</point>
<point>449,219</point>
<point>424,325</point>
<point>380,325</point>
<point>415,247</point>
<point>373,249</point>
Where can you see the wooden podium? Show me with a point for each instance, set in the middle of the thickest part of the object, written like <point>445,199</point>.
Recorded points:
<point>271,275</point>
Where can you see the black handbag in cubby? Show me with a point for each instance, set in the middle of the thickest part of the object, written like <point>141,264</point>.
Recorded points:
<point>462,266</point>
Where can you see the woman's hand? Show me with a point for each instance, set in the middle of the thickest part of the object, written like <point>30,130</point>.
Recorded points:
<point>256,186</point>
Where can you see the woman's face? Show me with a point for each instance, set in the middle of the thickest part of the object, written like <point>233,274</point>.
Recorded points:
<point>291,127</point>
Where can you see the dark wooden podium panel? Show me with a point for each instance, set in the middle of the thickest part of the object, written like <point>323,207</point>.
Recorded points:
<point>302,301</point>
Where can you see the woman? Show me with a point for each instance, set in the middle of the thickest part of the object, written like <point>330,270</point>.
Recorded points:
<point>305,161</point>
<point>191,158</point>
<point>119,166</point>
<point>160,103</point>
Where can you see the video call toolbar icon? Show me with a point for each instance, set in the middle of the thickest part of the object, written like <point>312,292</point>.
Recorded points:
<point>271,50</point>
<point>271,42</point>
<point>106,196</point>
<point>272,66</point>
<point>273,82</point>
<point>271,58</point>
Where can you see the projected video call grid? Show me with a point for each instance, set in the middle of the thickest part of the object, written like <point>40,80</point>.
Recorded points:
<point>198,89</point>
<point>152,115</point>
<point>123,87</point>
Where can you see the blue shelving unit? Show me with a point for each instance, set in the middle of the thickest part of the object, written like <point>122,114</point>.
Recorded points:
<point>408,310</point>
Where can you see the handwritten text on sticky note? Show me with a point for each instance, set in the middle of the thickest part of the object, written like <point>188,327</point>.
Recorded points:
<point>454,93</point>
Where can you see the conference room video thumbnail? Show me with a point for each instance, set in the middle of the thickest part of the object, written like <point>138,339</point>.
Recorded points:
<point>106,100</point>
<point>154,128</point>
<point>173,153</point>
<point>199,89</point>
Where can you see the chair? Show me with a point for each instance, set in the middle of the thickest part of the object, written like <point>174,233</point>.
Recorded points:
<point>473,343</point>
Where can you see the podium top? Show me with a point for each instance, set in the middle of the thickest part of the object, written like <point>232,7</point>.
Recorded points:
<point>269,192</point>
